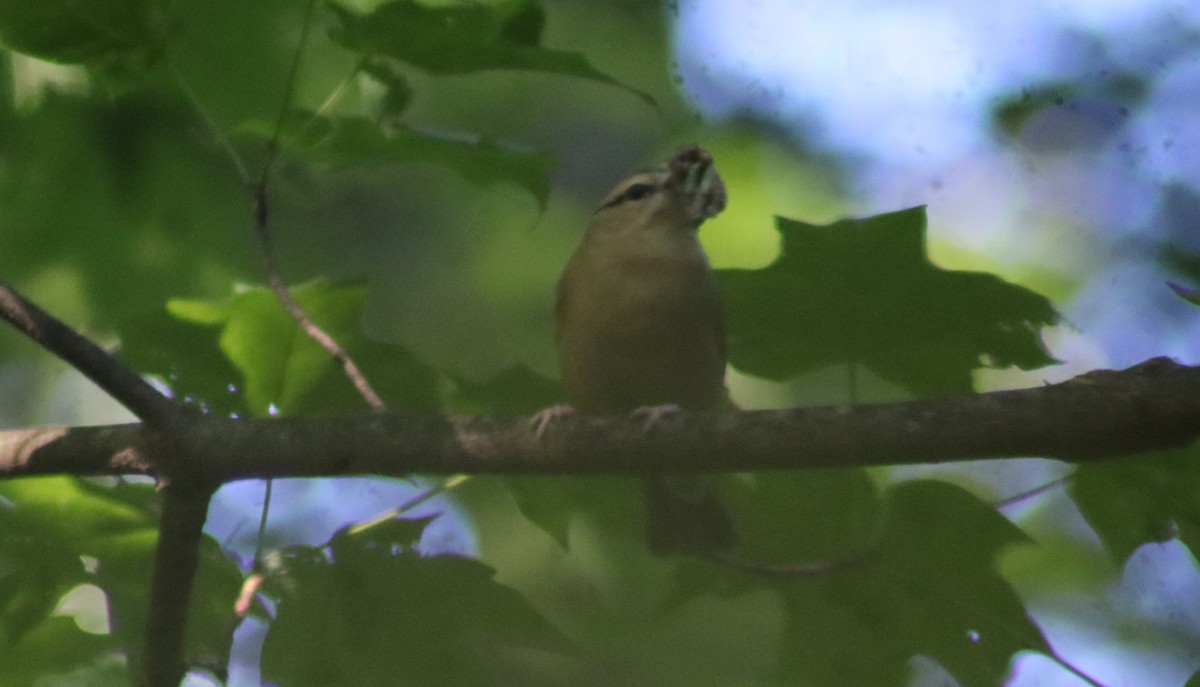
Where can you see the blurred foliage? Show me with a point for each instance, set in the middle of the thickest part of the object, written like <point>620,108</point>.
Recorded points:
<point>106,33</point>
<point>1114,95</point>
<point>455,39</point>
<point>418,146</point>
<point>356,140</point>
<point>62,532</point>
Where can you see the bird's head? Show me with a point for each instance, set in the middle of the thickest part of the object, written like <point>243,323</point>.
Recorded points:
<point>682,195</point>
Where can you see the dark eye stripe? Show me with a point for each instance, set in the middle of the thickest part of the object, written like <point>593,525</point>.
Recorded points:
<point>633,192</point>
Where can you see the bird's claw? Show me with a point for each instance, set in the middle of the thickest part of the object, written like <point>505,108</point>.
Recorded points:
<point>655,413</point>
<point>542,419</point>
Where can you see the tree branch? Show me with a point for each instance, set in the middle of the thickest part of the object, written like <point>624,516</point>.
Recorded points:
<point>176,558</point>
<point>123,384</point>
<point>184,507</point>
<point>1099,415</point>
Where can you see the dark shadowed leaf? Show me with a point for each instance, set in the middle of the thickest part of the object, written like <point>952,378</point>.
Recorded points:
<point>517,389</point>
<point>66,521</point>
<point>463,37</point>
<point>110,33</point>
<point>863,291</point>
<point>930,589</point>
<point>1141,500</point>
<point>359,141</point>
<point>375,613</point>
<point>789,517</point>
<point>614,504</point>
<point>186,357</point>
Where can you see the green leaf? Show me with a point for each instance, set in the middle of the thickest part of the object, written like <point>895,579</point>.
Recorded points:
<point>788,517</point>
<point>615,504</point>
<point>864,292</point>
<point>368,615</point>
<point>109,32</point>
<point>930,589</point>
<point>282,367</point>
<point>55,523</point>
<point>358,141</point>
<point>462,38</point>
<point>398,92</point>
<point>839,509</point>
<point>517,389</point>
<point>1142,499</point>
<point>181,347</point>
<point>55,646</point>
<point>118,196</point>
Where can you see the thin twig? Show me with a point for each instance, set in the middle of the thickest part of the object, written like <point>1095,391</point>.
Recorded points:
<point>219,135</point>
<point>1035,491</point>
<point>1073,669</point>
<point>447,484</point>
<point>806,569</point>
<point>120,382</point>
<point>340,90</point>
<point>262,524</point>
<point>267,247</point>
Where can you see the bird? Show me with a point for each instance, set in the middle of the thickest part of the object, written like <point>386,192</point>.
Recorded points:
<point>640,328</point>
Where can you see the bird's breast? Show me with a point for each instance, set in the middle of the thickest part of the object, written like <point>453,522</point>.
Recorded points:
<point>641,328</point>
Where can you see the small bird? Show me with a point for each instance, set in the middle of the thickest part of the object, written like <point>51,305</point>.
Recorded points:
<point>640,328</point>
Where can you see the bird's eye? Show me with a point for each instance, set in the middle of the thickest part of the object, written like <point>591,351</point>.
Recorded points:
<point>638,191</point>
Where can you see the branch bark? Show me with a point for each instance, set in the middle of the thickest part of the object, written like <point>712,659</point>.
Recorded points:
<point>184,506</point>
<point>1093,417</point>
<point>123,384</point>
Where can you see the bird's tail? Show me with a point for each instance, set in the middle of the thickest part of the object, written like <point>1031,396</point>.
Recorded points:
<point>685,517</point>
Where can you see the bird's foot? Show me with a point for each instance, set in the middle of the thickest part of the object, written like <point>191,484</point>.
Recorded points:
<point>542,419</point>
<point>655,413</point>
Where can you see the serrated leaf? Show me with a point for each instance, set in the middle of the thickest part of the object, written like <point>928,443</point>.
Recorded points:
<point>1141,499</point>
<point>357,141</point>
<point>280,369</point>
<point>462,38</point>
<point>280,364</point>
<point>863,291</point>
<point>366,617</point>
<point>930,589</point>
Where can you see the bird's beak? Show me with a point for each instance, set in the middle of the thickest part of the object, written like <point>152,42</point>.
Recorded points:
<point>699,186</point>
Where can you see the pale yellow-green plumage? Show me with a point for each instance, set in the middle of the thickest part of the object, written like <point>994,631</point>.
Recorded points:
<point>640,324</point>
